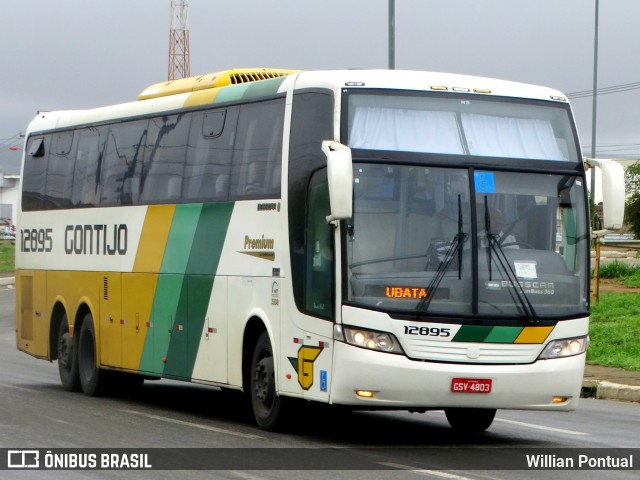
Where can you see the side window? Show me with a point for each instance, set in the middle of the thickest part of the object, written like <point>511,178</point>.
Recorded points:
<point>60,167</point>
<point>258,151</point>
<point>35,173</point>
<point>319,261</point>
<point>123,158</point>
<point>86,175</point>
<point>163,167</point>
<point>209,151</point>
<point>311,123</point>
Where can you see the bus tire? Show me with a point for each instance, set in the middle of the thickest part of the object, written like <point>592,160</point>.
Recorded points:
<point>67,358</point>
<point>265,401</point>
<point>470,420</point>
<point>92,379</point>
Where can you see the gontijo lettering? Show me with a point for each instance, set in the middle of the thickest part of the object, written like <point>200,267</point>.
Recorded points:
<point>96,239</point>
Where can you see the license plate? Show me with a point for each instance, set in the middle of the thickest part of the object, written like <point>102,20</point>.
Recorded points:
<point>471,385</point>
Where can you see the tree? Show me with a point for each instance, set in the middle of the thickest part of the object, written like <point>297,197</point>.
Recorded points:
<point>632,205</point>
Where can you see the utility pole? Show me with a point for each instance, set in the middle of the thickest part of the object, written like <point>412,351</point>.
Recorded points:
<point>392,34</point>
<point>594,110</point>
<point>179,56</point>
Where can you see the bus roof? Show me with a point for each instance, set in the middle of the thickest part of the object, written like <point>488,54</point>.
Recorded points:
<point>247,84</point>
<point>235,76</point>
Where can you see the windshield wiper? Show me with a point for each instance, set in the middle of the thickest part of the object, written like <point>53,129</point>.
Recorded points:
<point>455,247</point>
<point>494,247</point>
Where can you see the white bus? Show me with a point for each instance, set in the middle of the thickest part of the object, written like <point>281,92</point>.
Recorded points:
<point>374,239</point>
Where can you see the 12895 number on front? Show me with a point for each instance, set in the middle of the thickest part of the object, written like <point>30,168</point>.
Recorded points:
<point>427,331</point>
<point>471,385</point>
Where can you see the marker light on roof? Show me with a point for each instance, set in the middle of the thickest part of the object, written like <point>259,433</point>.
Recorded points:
<point>482,90</point>
<point>439,87</point>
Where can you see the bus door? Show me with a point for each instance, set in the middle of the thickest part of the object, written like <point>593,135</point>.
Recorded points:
<point>315,357</point>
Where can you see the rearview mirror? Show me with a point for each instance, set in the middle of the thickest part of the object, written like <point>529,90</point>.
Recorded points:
<point>340,180</point>
<point>610,191</point>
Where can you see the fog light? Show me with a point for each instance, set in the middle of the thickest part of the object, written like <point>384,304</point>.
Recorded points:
<point>560,399</point>
<point>364,393</point>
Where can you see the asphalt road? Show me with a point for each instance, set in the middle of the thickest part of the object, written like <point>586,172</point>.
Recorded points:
<point>35,412</point>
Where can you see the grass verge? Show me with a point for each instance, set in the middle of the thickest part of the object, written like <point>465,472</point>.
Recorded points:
<point>615,331</point>
<point>628,275</point>
<point>7,257</point>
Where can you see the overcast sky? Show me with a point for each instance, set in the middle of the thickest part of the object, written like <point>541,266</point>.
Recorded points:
<point>68,54</point>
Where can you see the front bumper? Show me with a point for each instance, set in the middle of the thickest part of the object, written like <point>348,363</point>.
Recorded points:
<point>401,383</point>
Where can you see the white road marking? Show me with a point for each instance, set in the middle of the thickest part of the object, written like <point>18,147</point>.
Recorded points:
<point>194,425</point>
<point>245,475</point>
<point>540,427</point>
<point>15,387</point>
<point>434,473</point>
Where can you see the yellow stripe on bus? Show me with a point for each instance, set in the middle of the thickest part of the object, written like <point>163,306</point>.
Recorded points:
<point>202,97</point>
<point>533,335</point>
<point>155,231</point>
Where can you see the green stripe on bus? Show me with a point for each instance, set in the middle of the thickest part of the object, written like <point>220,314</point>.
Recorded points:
<point>231,93</point>
<point>209,238</point>
<point>169,300</point>
<point>263,88</point>
<point>202,267</point>
<point>503,334</point>
<point>183,228</point>
<point>249,91</point>
<point>472,333</point>
<point>191,259</point>
<point>163,314</point>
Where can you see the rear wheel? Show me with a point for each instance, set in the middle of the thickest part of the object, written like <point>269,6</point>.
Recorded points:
<point>92,379</point>
<point>265,401</point>
<point>67,358</point>
<point>470,420</point>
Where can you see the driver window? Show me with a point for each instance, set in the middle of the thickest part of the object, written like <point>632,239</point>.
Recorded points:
<point>319,257</point>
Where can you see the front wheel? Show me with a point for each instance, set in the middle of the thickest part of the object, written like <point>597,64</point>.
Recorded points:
<point>92,379</point>
<point>470,420</point>
<point>265,401</point>
<point>67,358</point>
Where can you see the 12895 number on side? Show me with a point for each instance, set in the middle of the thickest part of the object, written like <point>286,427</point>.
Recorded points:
<point>36,240</point>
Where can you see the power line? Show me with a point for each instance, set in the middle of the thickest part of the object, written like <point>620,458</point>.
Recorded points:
<point>624,87</point>
<point>9,141</point>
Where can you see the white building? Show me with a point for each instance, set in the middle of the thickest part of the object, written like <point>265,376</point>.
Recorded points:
<point>9,191</point>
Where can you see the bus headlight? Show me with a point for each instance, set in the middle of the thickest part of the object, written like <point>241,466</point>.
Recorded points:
<point>566,347</point>
<point>360,337</point>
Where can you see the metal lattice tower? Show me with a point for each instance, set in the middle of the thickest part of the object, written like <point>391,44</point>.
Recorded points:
<point>179,58</point>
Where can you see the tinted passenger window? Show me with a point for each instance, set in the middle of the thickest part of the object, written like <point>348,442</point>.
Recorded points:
<point>258,150</point>
<point>60,167</point>
<point>35,173</point>
<point>209,152</point>
<point>162,170</point>
<point>122,163</point>
<point>86,176</point>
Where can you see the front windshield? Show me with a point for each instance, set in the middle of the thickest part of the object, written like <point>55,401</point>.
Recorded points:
<point>454,241</point>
